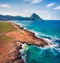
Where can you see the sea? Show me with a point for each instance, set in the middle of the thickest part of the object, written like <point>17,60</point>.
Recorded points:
<point>48,30</point>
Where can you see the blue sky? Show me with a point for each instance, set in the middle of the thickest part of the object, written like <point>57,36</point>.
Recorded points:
<point>46,9</point>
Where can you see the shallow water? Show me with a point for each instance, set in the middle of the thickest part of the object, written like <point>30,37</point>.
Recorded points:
<point>49,31</point>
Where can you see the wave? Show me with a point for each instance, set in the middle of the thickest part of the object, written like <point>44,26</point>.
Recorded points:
<point>53,41</point>
<point>23,50</point>
<point>52,47</point>
<point>38,34</point>
<point>42,35</point>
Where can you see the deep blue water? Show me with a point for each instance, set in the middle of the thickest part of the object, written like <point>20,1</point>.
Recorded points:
<point>49,30</point>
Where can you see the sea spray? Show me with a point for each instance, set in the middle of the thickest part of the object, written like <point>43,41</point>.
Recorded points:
<point>25,47</point>
<point>32,53</point>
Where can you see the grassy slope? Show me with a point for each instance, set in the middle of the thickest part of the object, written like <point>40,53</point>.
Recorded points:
<point>5,27</point>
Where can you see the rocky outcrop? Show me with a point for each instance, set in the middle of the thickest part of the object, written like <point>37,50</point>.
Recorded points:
<point>9,53</point>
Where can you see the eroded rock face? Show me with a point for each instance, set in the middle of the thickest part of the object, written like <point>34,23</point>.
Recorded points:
<point>9,53</point>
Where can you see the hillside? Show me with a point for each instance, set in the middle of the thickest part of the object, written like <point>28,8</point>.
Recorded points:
<point>8,17</point>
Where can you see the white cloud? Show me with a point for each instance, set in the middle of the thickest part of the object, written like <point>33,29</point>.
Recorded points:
<point>33,1</point>
<point>27,12</point>
<point>44,14</point>
<point>36,1</point>
<point>50,4</point>
<point>4,6</point>
<point>57,8</point>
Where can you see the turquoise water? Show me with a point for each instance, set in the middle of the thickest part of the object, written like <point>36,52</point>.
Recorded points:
<point>51,28</point>
<point>49,31</point>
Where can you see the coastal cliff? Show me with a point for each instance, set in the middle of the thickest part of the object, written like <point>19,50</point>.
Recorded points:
<point>11,38</point>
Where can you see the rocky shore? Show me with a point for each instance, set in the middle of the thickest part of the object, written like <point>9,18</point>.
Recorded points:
<point>24,36</point>
<point>9,53</point>
<point>9,49</point>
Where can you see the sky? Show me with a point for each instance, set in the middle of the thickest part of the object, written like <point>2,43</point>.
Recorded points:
<point>46,9</point>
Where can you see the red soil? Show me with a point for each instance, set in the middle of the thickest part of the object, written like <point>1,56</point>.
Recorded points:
<point>26,36</point>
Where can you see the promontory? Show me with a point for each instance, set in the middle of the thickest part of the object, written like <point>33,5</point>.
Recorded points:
<point>11,38</point>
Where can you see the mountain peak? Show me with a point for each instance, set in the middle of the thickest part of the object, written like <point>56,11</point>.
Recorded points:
<point>35,16</point>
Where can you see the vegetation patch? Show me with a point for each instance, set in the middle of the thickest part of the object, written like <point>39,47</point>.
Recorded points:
<point>7,27</point>
<point>4,39</point>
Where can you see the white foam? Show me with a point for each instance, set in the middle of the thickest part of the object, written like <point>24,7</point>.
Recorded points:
<point>51,46</point>
<point>22,51</point>
<point>24,48</point>
<point>39,34</point>
<point>50,42</point>
<point>36,33</point>
<point>58,49</point>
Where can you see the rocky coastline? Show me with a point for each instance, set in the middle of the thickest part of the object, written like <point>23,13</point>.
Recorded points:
<point>25,36</point>
<point>9,52</point>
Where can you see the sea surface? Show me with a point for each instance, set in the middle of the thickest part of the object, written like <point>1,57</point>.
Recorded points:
<point>48,30</point>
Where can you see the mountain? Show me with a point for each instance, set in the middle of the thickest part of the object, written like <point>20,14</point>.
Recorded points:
<point>8,17</point>
<point>35,17</point>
